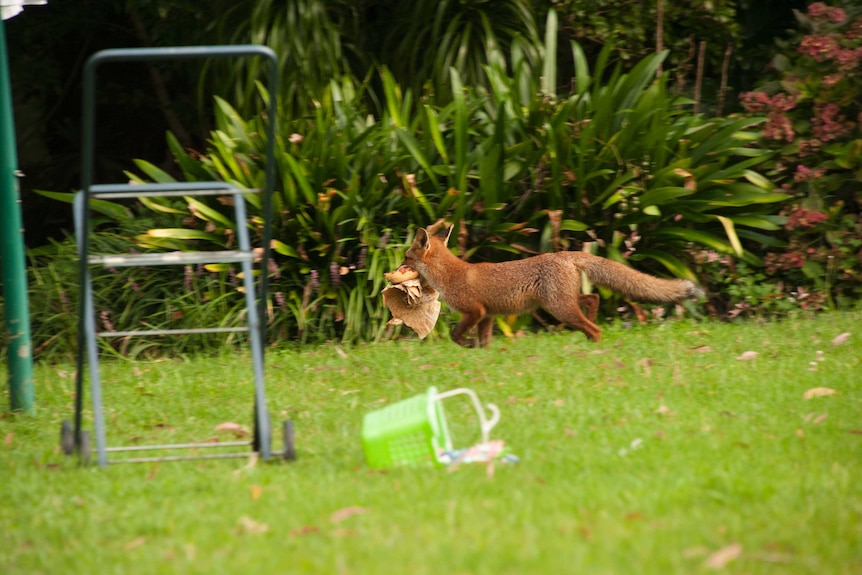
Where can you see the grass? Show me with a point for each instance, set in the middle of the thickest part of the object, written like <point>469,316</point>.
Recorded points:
<point>655,451</point>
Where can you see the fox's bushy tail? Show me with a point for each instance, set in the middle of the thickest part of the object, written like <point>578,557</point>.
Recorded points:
<point>636,285</point>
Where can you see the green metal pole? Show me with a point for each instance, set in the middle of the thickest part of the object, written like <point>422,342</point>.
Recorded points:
<point>13,274</point>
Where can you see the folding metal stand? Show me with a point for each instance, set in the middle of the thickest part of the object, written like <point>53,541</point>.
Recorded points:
<point>74,439</point>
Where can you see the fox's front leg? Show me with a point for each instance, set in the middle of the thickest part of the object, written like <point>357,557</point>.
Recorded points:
<point>467,322</point>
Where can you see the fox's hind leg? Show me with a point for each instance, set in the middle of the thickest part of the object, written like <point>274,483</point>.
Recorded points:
<point>569,312</point>
<point>590,303</point>
<point>485,329</point>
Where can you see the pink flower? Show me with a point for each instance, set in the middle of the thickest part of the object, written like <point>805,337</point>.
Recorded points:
<point>804,174</point>
<point>754,101</point>
<point>819,47</point>
<point>848,60</point>
<point>817,9</point>
<point>802,218</point>
<point>809,147</point>
<point>778,127</point>
<point>837,15</point>
<point>828,124</point>
<point>831,79</point>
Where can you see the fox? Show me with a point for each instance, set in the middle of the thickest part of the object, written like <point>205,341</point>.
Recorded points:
<point>551,281</point>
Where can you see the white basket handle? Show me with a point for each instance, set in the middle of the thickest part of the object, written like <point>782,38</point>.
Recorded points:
<point>486,424</point>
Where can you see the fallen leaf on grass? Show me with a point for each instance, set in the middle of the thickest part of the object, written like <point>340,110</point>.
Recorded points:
<point>818,392</point>
<point>723,556</point>
<point>702,349</point>
<point>256,491</point>
<point>664,410</point>
<point>137,542</point>
<point>235,428</point>
<point>747,355</point>
<point>304,530</point>
<point>346,513</point>
<point>8,440</point>
<point>645,364</point>
<point>252,527</point>
<point>840,339</point>
<point>250,464</point>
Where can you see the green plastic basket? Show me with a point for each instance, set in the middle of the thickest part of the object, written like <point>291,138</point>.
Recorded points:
<point>413,431</point>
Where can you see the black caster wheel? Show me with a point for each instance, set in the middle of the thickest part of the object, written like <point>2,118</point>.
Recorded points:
<point>289,445</point>
<point>67,437</point>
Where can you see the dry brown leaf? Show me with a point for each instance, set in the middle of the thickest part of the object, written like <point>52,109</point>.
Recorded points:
<point>136,542</point>
<point>747,355</point>
<point>235,428</point>
<point>689,181</point>
<point>664,410</point>
<point>723,556</point>
<point>702,349</point>
<point>818,392</point>
<point>346,513</point>
<point>256,492</point>
<point>304,530</point>
<point>8,441</point>
<point>252,527</point>
<point>840,339</point>
<point>645,364</point>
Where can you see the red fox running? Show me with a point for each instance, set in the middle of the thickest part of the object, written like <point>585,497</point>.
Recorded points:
<point>551,281</point>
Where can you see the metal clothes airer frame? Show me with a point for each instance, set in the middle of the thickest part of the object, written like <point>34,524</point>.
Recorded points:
<point>74,439</point>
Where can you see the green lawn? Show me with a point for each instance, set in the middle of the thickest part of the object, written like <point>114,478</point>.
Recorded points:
<point>657,451</point>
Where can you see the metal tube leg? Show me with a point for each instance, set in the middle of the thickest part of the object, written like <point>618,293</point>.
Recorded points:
<point>262,423</point>
<point>95,379</point>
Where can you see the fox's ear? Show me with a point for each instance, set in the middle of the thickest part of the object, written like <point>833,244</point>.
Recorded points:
<point>444,234</point>
<point>422,241</point>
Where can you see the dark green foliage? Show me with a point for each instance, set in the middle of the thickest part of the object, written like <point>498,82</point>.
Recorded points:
<point>614,163</point>
<point>618,163</point>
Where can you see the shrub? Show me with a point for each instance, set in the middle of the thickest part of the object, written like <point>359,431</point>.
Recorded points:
<point>618,164</point>
<point>814,121</point>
